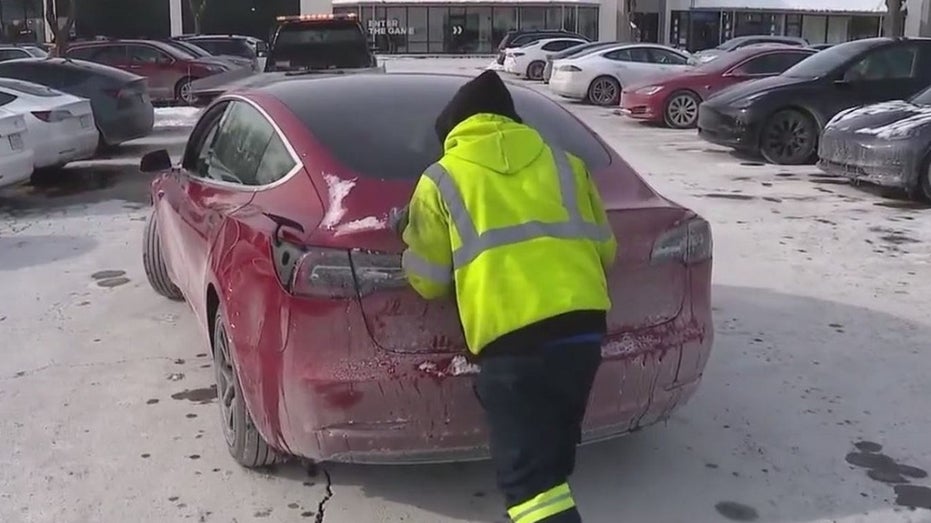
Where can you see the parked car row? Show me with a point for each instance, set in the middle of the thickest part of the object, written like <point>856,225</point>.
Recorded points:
<point>860,109</point>
<point>56,111</point>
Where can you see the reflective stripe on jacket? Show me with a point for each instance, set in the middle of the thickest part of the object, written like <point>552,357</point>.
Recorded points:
<point>517,229</point>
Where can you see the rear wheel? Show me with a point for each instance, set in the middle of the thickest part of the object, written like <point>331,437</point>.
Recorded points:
<point>243,440</point>
<point>535,70</point>
<point>604,90</point>
<point>154,262</point>
<point>924,181</point>
<point>184,93</point>
<point>789,137</point>
<point>681,110</point>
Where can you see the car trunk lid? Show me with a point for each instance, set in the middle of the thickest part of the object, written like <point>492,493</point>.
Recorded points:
<point>646,286</point>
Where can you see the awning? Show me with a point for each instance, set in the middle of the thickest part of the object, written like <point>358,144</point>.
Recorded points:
<point>837,6</point>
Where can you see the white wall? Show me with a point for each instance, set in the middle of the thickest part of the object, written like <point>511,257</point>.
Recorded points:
<point>176,17</point>
<point>918,21</point>
<point>607,19</point>
<point>315,7</point>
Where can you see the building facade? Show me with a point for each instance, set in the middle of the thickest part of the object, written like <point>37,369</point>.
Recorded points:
<point>476,26</point>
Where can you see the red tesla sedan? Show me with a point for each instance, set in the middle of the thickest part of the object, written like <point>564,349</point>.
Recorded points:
<point>273,229</point>
<point>674,100</point>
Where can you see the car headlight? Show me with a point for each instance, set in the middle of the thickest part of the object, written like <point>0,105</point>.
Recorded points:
<point>649,90</point>
<point>744,103</point>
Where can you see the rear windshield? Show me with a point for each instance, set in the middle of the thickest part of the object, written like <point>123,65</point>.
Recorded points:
<point>383,127</point>
<point>28,88</point>
<point>824,62</point>
<point>227,47</point>
<point>35,51</point>
<point>320,33</point>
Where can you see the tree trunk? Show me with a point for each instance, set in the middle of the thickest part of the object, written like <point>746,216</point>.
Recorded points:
<point>61,29</point>
<point>894,21</point>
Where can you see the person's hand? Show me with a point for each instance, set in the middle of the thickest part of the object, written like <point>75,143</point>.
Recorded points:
<point>397,220</point>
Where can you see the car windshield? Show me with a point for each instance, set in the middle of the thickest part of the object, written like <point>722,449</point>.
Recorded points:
<point>319,33</point>
<point>363,136</point>
<point>35,51</point>
<point>731,44</point>
<point>922,98</point>
<point>28,88</point>
<point>824,62</point>
<point>192,49</point>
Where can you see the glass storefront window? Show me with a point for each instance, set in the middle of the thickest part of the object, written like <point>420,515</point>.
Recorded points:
<point>396,29</point>
<point>748,24</point>
<point>588,22</point>
<point>532,18</point>
<point>679,29</point>
<point>814,28</point>
<point>568,18</point>
<point>863,27</point>
<point>504,19</point>
<point>793,25</point>
<point>837,29</point>
<point>437,28</point>
<point>554,17</point>
<point>485,29</point>
<point>417,35</point>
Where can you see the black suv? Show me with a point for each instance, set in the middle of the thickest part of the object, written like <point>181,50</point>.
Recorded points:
<point>519,38</point>
<point>319,42</point>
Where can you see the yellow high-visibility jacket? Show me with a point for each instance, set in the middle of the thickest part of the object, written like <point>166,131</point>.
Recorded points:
<point>516,228</point>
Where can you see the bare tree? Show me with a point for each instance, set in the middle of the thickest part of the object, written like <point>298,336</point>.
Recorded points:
<point>894,22</point>
<point>61,23</point>
<point>198,8</point>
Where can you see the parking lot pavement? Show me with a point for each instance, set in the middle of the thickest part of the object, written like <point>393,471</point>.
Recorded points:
<point>821,298</point>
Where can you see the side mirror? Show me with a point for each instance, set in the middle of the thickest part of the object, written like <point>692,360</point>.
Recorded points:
<point>155,161</point>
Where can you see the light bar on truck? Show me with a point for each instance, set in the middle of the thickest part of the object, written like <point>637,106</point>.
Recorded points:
<point>302,18</point>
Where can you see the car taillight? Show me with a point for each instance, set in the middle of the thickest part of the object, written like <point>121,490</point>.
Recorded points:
<point>517,54</point>
<point>569,68</point>
<point>52,116</point>
<point>688,243</point>
<point>341,274</point>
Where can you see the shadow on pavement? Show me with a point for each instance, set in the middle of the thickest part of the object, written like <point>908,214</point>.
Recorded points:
<point>77,186</point>
<point>793,383</point>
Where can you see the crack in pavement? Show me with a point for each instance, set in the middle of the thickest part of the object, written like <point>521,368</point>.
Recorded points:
<point>321,507</point>
<point>24,373</point>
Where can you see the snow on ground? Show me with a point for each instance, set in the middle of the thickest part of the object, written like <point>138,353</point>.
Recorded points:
<point>821,297</point>
<point>176,116</point>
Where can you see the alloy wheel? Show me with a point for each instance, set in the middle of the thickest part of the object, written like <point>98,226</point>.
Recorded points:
<point>226,382</point>
<point>789,138</point>
<point>186,92</point>
<point>925,184</point>
<point>535,71</point>
<point>604,91</point>
<point>682,111</point>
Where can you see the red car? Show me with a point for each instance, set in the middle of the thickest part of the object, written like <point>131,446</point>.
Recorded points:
<point>169,70</point>
<point>273,229</point>
<point>674,100</point>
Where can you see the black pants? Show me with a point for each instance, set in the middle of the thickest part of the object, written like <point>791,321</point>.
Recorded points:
<point>535,401</point>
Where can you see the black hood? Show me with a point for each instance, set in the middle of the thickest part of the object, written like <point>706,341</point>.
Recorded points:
<point>754,87</point>
<point>484,94</point>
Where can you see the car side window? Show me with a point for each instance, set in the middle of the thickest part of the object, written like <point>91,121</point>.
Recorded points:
<point>662,56</point>
<point>82,53</point>
<point>640,54</point>
<point>233,150</point>
<point>276,162</point>
<point>12,54</point>
<point>558,45</point>
<point>768,64</point>
<point>143,54</point>
<point>890,63</point>
<point>621,55</point>
<point>111,54</point>
<point>6,98</point>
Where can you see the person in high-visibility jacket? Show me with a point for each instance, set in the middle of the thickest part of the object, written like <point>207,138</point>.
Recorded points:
<point>516,229</point>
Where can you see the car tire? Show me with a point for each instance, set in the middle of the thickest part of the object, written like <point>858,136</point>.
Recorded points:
<point>154,263</point>
<point>183,92</point>
<point>924,181</point>
<point>789,137</point>
<point>242,438</point>
<point>604,91</point>
<point>681,110</point>
<point>535,70</point>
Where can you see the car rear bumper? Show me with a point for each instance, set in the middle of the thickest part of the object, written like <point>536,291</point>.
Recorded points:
<point>128,125</point>
<point>415,408</point>
<point>565,85</point>
<point>884,175</point>
<point>890,163</point>
<point>728,130</point>
<point>16,168</point>
<point>641,107</point>
<point>60,149</point>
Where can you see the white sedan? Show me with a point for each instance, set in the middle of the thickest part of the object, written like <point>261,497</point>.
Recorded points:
<point>16,159</point>
<point>529,61</point>
<point>61,126</point>
<point>599,77</point>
